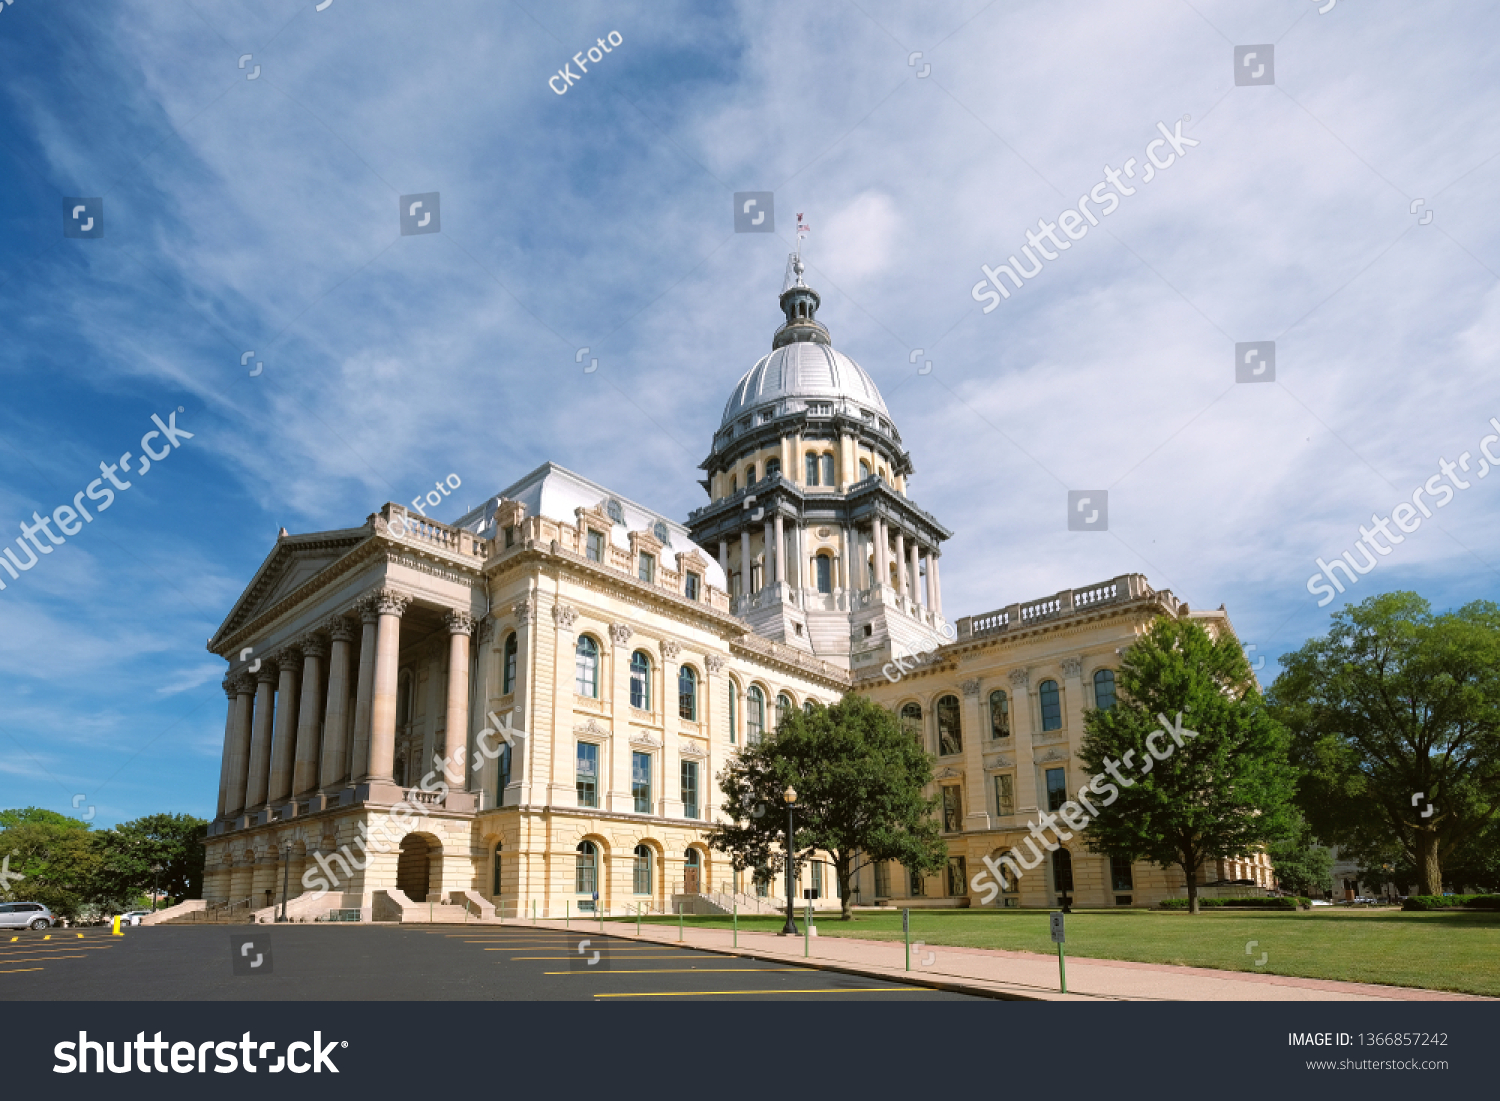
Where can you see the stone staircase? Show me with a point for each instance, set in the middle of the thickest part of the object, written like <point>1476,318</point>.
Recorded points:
<point>464,907</point>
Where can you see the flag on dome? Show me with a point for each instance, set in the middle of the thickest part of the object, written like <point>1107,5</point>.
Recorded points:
<point>802,227</point>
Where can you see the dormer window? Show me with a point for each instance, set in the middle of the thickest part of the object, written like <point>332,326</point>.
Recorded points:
<point>647,569</point>
<point>510,535</point>
<point>690,585</point>
<point>594,547</point>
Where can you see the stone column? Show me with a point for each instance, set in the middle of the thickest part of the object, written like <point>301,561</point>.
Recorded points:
<point>669,793</point>
<point>799,541</point>
<point>336,720</point>
<point>365,689</point>
<point>780,530</point>
<point>937,588</point>
<point>1020,736</point>
<point>916,573</point>
<point>283,747</point>
<point>389,606</point>
<point>724,559</point>
<point>901,588</point>
<point>931,604</point>
<point>882,553</point>
<point>562,781</point>
<point>713,705</point>
<point>614,757</point>
<point>769,552</point>
<point>460,626</point>
<point>224,768</point>
<point>522,751</point>
<point>309,716</point>
<point>851,579</point>
<point>976,735</point>
<point>260,736</point>
<point>239,757</point>
<point>745,562</point>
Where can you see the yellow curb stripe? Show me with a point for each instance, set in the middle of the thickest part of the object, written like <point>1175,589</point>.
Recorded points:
<point>679,970</point>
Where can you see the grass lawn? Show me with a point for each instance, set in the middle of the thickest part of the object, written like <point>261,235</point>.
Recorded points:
<point>1439,951</point>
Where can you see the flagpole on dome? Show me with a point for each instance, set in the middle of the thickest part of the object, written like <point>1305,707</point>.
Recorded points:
<point>794,265</point>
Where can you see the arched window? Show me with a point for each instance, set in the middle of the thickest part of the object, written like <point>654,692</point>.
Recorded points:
<point>502,774</point>
<point>807,707</point>
<point>1062,871</point>
<point>586,668</point>
<point>1104,689</point>
<point>734,709</point>
<point>812,469</point>
<point>692,871</point>
<point>755,714</point>
<point>495,882</point>
<point>823,571</point>
<point>687,694</point>
<point>642,877</point>
<point>734,485</point>
<point>640,681</point>
<point>773,469</point>
<point>508,665</point>
<point>826,468</point>
<point>1051,705</point>
<point>950,730</point>
<point>750,475</point>
<point>999,715</point>
<point>911,721</point>
<point>586,869</point>
<point>864,470</point>
<point>784,707</point>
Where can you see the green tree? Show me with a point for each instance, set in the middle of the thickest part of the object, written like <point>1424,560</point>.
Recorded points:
<point>859,780</point>
<point>171,842</point>
<point>1302,866</point>
<point>1396,724</point>
<point>1220,786</point>
<point>55,856</point>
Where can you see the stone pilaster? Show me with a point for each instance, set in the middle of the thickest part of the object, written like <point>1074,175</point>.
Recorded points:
<point>260,736</point>
<point>309,716</point>
<point>460,626</point>
<point>390,605</point>
<point>336,719</point>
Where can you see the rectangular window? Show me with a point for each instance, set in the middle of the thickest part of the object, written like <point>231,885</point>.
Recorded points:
<point>953,814</point>
<point>882,880</point>
<point>647,570</point>
<point>640,781</point>
<point>641,880</point>
<point>510,535</point>
<point>690,789</point>
<point>595,546</point>
<point>958,878</point>
<point>1119,874</point>
<point>1005,794</point>
<point>827,470</point>
<point>1057,788</point>
<point>918,888</point>
<point>588,774</point>
<point>812,469</point>
<point>817,879</point>
<point>690,586</point>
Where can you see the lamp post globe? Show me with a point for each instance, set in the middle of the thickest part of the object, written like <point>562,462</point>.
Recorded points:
<point>790,928</point>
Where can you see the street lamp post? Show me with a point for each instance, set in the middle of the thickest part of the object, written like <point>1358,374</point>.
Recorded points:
<point>790,928</point>
<point>155,880</point>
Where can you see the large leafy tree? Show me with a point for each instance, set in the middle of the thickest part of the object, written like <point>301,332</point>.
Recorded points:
<point>1226,788</point>
<point>171,842</point>
<point>1396,721</point>
<point>859,780</point>
<point>1303,866</point>
<point>55,856</point>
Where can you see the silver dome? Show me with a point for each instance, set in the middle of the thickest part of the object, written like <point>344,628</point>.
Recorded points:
<point>804,370</point>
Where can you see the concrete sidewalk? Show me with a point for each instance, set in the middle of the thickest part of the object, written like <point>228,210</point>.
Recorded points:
<point>1016,976</point>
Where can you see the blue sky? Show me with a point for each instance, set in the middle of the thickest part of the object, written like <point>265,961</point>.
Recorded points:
<point>262,215</point>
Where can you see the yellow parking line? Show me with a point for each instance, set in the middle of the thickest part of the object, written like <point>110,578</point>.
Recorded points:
<point>710,993</point>
<point>17,970</point>
<point>678,970</point>
<point>34,959</point>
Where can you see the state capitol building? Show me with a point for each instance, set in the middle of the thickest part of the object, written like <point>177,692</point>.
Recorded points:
<point>624,657</point>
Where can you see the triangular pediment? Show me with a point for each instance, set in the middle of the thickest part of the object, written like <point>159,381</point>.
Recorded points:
<point>292,563</point>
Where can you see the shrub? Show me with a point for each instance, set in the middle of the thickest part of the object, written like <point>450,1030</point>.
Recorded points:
<point>1452,902</point>
<point>1236,903</point>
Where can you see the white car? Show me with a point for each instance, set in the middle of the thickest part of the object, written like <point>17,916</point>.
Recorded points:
<point>134,917</point>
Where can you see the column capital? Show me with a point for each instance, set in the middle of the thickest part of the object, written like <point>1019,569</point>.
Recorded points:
<point>228,684</point>
<point>390,602</point>
<point>1020,679</point>
<point>313,645</point>
<point>1072,667</point>
<point>459,622</point>
<point>524,610</point>
<point>971,686</point>
<point>670,649</point>
<point>288,656</point>
<point>564,615</point>
<point>244,684</point>
<point>339,628</point>
<point>268,672</point>
<point>714,664</point>
<point>620,633</point>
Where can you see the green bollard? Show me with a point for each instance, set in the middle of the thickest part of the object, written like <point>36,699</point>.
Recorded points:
<point>906,931</point>
<point>1062,969</point>
<point>736,907</point>
<point>807,929</point>
<point>679,921</point>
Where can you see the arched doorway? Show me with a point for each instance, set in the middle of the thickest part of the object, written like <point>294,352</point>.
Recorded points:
<point>414,866</point>
<point>495,882</point>
<point>692,872</point>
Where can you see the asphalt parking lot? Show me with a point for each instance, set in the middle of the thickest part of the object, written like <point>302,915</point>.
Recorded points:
<point>402,963</point>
